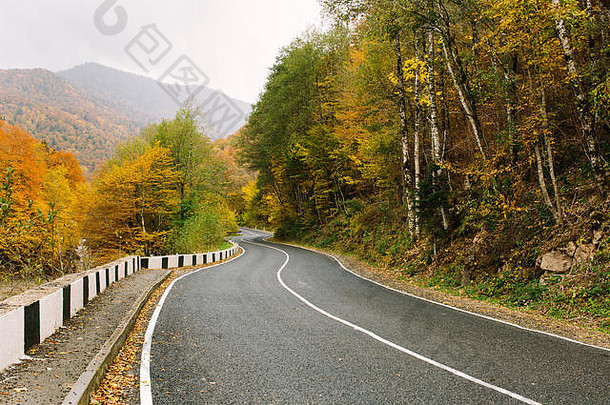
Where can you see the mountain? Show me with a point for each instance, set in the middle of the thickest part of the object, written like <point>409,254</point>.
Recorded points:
<point>143,100</point>
<point>62,115</point>
<point>88,109</point>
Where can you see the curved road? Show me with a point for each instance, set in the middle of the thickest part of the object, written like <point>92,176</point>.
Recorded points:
<point>316,334</point>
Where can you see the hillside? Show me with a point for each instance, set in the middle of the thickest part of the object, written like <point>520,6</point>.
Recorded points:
<point>139,98</point>
<point>65,117</point>
<point>87,110</point>
<point>475,163</point>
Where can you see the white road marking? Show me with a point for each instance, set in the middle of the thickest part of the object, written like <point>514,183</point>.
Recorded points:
<point>145,382</point>
<point>391,344</point>
<point>489,318</point>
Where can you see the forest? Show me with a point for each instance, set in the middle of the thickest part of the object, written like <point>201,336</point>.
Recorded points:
<point>168,189</point>
<point>64,116</point>
<point>456,144</point>
<point>453,142</point>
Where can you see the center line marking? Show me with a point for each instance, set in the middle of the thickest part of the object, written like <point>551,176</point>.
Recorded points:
<point>389,343</point>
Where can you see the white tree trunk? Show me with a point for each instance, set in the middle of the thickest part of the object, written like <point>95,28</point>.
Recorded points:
<point>404,137</point>
<point>437,155</point>
<point>416,139</point>
<point>432,107</point>
<point>586,118</point>
<point>541,181</point>
<point>466,104</point>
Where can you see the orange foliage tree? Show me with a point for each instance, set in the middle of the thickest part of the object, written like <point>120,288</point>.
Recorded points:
<point>38,228</point>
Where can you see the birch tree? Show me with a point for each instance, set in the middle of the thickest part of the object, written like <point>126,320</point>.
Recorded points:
<point>587,119</point>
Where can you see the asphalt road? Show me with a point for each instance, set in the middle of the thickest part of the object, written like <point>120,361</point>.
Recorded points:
<point>317,334</point>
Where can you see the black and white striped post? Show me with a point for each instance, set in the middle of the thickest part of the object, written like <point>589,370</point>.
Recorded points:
<point>30,318</point>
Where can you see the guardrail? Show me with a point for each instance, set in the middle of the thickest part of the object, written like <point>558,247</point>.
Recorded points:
<point>29,318</point>
<point>175,261</point>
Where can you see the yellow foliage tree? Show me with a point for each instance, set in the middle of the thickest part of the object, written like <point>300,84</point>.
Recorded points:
<point>130,204</point>
<point>62,201</point>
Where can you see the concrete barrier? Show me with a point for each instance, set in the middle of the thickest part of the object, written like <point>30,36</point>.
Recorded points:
<point>175,261</point>
<point>29,318</point>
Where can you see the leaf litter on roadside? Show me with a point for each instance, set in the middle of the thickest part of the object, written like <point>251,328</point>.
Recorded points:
<point>121,381</point>
<point>120,385</point>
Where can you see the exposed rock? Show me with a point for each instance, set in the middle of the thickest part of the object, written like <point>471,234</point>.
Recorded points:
<point>564,259</point>
<point>584,253</point>
<point>597,237</point>
<point>556,262</point>
<point>569,250</point>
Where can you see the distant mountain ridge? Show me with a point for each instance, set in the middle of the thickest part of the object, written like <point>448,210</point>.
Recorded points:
<point>142,99</point>
<point>62,115</point>
<point>90,108</point>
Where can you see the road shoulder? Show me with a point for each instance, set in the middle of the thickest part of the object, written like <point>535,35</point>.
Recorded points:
<point>121,383</point>
<point>525,319</point>
<point>57,363</point>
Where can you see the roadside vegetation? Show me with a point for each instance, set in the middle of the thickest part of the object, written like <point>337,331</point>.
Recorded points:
<point>462,144</point>
<point>39,189</point>
<point>167,190</point>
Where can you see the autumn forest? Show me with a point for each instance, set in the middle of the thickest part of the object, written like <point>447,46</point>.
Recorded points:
<point>166,190</point>
<point>454,144</point>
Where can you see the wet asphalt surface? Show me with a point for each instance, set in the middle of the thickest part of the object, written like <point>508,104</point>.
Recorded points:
<point>233,335</point>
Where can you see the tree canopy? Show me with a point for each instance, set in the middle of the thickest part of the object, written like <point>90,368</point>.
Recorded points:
<point>413,123</point>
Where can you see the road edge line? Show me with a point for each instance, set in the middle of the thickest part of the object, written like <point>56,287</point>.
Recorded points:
<point>487,317</point>
<point>145,382</point>
<point>393,345</point>
<point>91,378</point>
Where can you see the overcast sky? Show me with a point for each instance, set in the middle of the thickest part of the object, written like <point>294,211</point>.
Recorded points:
<point>233,42</point>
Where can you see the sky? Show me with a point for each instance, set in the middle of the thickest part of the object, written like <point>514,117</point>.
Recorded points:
<point>232,42</point>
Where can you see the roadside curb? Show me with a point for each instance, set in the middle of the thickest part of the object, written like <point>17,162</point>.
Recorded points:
<point>90,379</point>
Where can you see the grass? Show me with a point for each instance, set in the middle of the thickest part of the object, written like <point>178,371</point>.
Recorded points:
<point>584,297</point>
<point>225,245</point>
